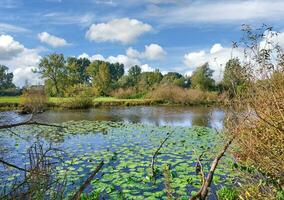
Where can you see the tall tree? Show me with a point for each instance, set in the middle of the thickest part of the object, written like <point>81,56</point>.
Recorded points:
<point>134,73</point>
<point>52,68</point>
<point>149,79</point>
<point>77,70</point>
<point>233,76</point>
<point>6,78</point>
<point>202,78</point>
<point>99,72</point>
<point>174,78</point>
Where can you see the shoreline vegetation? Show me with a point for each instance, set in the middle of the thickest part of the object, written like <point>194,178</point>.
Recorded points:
<point>14,103</point>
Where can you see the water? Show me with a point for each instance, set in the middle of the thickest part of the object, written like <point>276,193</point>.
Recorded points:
<point>131,135</point>
<point>155,115</point>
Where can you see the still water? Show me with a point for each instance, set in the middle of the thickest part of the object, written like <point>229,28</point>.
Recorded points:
<point>155,115</point>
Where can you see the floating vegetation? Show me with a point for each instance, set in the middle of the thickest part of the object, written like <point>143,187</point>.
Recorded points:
<point>127,150</point>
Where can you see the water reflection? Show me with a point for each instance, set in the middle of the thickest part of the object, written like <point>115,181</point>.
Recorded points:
<point>155,115</point>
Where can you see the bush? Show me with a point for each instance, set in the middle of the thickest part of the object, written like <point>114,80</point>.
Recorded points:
<point>33,101</point>
<point>80,101</point>
<point>79,89</point>
<point>129,93</point>
<point>178,95</point>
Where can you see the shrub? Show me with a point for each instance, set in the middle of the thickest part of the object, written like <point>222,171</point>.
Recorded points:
<point>33,101</point>
<point>80,101</point>
<point>128,93</point>
<point>178,95</point>
<point>79,89</point>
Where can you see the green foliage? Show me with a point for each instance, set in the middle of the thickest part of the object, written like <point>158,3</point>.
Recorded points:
<point>78,89</point>
<point>104,75</point>
<point>202,78</point>
<point>227,194</point>
<point>77,70</point>
<point>52,68</point>
<point>174,78</point>
<point>128,93</point>
<point>233,79</point>
<point>6,78</point>
<point>80,101</point>
<point>148,79</point>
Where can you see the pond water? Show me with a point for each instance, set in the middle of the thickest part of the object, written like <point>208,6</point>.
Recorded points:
<point>154,115</point>
<point>126,139</point>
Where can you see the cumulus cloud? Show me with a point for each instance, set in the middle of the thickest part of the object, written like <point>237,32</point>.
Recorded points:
<point>126,60</point>
<point>19,59</point>
<point>216,57</point>
<point>9,47</point>
<point>52,40</point>
<point>151,52</point>
<point>122,30</point>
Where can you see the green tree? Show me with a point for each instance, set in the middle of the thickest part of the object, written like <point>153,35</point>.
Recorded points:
<point>174,78</point>
<point>116,71</point>
<point>202,78</point>
<point>77,70</point>
<point>233,79</point>
<point>149,79</point>
<point>52,68</point>
<point>6,78</point>
<point>99,72</point>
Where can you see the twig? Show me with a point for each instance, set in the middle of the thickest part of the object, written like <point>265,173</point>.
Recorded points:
<point>156,154</point>
<point>87,182</point>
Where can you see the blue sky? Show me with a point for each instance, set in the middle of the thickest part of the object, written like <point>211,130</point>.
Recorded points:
<point>172,35</point>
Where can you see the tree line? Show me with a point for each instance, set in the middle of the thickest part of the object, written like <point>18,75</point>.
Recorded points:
<point>71,76</point>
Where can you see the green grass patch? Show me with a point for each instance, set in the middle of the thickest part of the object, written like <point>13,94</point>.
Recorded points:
<point>7,99</point>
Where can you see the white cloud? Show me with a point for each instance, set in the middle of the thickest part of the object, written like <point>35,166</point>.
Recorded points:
<point>9,47</point>
<point>9,28</point>
<point>122,30</point>
<point>237,11</point>
<point>216,57</point>
<point>123,59</point>
<point>146,68</point>
<point>52,40</point>
<point>154,52</point>
<point>194,59</point>
<point>19,59</point>
<point>151,52</point>
<point>272,38</point>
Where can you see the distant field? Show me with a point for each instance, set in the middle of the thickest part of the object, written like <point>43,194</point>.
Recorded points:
<point>62,99</point>
<point>9,99</point>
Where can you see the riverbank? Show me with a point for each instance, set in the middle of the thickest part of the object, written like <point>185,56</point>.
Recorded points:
<point>11,103</point>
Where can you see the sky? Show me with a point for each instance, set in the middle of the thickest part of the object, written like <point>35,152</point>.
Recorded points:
<point>171,35</point>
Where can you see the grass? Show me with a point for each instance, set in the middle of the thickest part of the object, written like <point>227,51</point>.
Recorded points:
<point>8,103</point>
<point>6,99</point>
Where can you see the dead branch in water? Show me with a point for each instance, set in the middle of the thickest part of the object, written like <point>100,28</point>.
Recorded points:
<point>156,154</point>
<point>202,193</point>
<point>29,123</point>
<point>13,166</point>
<point>87,182</point>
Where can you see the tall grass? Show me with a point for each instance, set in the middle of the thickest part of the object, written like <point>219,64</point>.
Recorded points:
<point>178,95</point>
<point>33,101</point>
